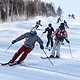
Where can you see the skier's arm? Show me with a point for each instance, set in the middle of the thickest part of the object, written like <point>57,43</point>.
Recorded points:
<point>19,38</point>
<point>40,42</point>
<point>65,37</point>
<point>45,30</point>
<point>54,33</point>
<point>53,29</point>
<point>40,23</point>
<point>67,40</point>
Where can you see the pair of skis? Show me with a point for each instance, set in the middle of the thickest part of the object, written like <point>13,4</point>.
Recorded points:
<point>10,64</point>
<point>15,63</point>
<point>49,57</point>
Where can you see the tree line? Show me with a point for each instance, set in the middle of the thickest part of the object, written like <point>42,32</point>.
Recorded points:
<point>26,9</point>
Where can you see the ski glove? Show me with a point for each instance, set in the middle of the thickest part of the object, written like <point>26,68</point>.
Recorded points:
<point>68,42</point>
<point>13,41</point>
<point>44,32</point>
<point>41,46</point>
<point>52,35</point>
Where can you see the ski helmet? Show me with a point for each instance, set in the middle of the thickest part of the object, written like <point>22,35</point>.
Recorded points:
<point>50,25</point>
<point>62,26</point>
<point>33,31</point>
<point>39,20</point>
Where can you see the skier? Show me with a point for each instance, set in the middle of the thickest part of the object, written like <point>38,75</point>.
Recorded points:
<point>49,29</point>
<point>65,24</point>
<point>38,23</point>
<point>69,15</point>
<point>60,34</point>
<point>59,19</point>
<point>73,16</point>
<point>30,39</point>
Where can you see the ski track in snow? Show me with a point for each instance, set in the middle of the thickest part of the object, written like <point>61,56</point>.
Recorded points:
<point>58,73</point>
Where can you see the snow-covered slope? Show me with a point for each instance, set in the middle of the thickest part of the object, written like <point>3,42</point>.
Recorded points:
<point>35,68</point>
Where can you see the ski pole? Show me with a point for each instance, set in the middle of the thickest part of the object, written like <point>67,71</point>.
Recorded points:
<point>48,57</point>
<point>8,47</point>
<point>70,51</point>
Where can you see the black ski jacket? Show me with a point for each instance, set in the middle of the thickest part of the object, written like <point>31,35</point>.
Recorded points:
<point>49,30</point>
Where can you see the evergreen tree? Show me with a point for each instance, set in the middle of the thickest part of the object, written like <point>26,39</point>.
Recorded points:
<point>59,11</point>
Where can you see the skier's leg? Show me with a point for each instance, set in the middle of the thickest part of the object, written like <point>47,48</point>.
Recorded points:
<point>37,26</point>
<point>48,42</point>
<point>53,49</point>
<point>51,42</point>
<point>23,48</point>
<point>28,50</point>
<point>58,49</point>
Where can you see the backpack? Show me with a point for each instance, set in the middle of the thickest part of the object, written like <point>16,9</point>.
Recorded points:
<point>60,34</point>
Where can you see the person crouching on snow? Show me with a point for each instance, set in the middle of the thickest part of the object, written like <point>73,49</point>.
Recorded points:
<point>30,39</point>
<point>60,34</point>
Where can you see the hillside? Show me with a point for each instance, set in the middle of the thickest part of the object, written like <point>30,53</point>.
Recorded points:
<point>35,68</point>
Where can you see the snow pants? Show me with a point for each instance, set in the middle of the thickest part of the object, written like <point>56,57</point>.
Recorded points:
<point>56,48</point>
<point>49,39</point>
<point>23,50</point>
